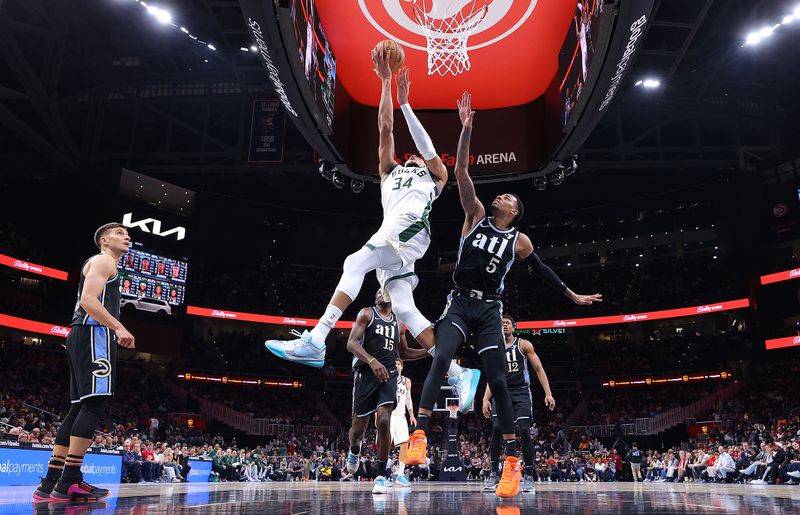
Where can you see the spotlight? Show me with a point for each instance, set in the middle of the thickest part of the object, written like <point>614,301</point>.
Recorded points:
<point>338,179</point>
<point>243,48</point>
<point>557,177</point>
<point>357,185</point>
<point>540,182</point>
<point>211,47</point>
<point>325,170</point>
<point>253,48</point>
<point>161,15</point>
<point>573,166</point>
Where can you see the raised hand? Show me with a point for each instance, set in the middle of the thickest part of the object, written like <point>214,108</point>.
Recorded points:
<point>381,65</point>
<point>465,111</point>
<point>403,85</point>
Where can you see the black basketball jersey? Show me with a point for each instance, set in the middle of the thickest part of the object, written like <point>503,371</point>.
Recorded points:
<point>485,256</point>
<point>517,375</point>
<point>380,340</point>
<point>110,298</point>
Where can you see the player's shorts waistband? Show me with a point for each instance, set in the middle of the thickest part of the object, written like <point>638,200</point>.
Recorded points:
<point>474,294</point>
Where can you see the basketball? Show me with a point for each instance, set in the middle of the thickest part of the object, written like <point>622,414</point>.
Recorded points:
<point>394,53</point>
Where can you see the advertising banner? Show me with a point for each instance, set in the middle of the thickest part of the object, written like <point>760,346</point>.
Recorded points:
<point>22,464</point>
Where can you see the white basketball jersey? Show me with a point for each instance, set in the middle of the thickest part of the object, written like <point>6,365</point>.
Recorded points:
<point>402,391</point>
<point>408,190</point>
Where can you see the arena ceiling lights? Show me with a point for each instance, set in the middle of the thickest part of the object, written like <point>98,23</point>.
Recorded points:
<point>757,36</point>
<point>164,17</point>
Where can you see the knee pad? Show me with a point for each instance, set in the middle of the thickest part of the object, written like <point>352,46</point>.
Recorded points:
<point>91,410</point>
<point>65,429</point>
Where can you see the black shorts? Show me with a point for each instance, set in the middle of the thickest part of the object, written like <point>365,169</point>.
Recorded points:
<point>480,318</point>
<point>521,402</point>
<point>92,357</point>
<point>369,394</point>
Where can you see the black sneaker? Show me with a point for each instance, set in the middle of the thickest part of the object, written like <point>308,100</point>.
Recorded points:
<point>45,488</point>
<point>77,491</point>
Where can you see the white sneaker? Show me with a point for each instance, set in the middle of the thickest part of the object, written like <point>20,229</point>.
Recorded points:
<point>464,386</point>
<point>301,350</point>
<point>794,473</point>
<point>758,482</point>
<point>380,485</point>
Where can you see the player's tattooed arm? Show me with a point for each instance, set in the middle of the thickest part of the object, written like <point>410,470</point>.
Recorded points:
<point>473,209</point>
<point>385,115</point>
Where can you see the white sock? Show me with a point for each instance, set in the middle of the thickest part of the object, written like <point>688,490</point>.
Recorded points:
<point>401,468</point>
<point>454,369</point>
<point>326,323</point>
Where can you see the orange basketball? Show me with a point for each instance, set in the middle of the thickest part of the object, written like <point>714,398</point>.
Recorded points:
<point>394,53</point>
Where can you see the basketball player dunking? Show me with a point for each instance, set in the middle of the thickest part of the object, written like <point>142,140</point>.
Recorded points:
<point>518,353</point>
<point>489,245</point>
<point>375,342</point>
<point>407,194</point>
<point>92,356</point>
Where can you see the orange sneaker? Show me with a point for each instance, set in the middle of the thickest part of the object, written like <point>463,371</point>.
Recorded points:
<point>417,448</point>
<point>509,481</point>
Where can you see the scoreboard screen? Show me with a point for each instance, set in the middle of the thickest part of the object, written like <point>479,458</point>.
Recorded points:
<point>146,274</point>
<point>576,54</point>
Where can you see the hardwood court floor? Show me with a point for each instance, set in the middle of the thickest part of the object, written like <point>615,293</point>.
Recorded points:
<point>457,498</point>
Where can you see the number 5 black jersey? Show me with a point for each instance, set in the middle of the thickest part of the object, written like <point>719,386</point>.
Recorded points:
<point>381,340</point>
<point>485,256</point>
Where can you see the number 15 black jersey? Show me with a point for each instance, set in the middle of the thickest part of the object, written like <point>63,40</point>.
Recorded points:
<point>485,256</point>
<point>381,339</point>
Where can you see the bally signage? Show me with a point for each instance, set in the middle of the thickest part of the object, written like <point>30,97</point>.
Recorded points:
<point>33,268</point>
<point>153,226</point>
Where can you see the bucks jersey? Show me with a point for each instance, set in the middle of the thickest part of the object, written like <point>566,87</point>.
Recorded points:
<point>109,297</point>
<point>380,341</point>
<point>517,375</point>
<point>408,190</point>
<point>402,391</point>
<point>485,256</point>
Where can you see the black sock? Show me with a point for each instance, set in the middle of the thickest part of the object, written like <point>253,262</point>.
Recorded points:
<point>495,467</point>
<point>355,449</point>
<point>422,421</point>
<point>511,448</point>
<point>381,467</point>
<point>529,470</point>
<point>72,469</point>
<point>55,467</point>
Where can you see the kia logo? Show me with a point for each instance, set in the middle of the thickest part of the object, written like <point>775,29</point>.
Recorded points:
<point>145,226</point>
<point>452,469</point>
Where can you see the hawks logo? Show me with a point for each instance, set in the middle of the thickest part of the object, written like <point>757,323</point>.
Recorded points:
<point>103,368</point>
<point>397,19</point>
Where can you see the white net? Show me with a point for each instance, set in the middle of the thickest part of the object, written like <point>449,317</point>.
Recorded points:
<point>447,29</point>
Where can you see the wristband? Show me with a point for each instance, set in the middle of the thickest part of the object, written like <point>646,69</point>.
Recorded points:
<point>370,361</point>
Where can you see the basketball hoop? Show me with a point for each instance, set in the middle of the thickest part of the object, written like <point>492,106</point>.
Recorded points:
<point>447,35</point>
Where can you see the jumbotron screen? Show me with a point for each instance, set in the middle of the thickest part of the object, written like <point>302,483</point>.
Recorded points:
<point>316,56</point>
<point>148,275</point>
<point>576,54</point>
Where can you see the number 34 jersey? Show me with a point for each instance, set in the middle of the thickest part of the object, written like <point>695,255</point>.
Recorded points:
<point>485,256</point>
<point>407,195</point>
<point>381,339</point>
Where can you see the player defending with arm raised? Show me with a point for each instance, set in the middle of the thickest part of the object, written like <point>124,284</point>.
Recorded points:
<point>375,342</point>
<point>407,195</point>
<point>518,353</point>
<point>489,245</point>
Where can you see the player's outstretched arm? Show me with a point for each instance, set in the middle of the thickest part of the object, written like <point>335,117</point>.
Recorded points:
<point>100,269</point>
<point>354,345</point>
<point>524,251</point>
<point>418,133</point>
<point>385,115</point>
<point>473,209</point>
<point>409,354</point>
<point>527,348</point>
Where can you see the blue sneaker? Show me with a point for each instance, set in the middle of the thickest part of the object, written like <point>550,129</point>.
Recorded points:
<point>352,463</point>
<point>389,482</point>
<point>380,485</point>
<point>301,350</point>
<point>403,481</point>
<point>464,386</point>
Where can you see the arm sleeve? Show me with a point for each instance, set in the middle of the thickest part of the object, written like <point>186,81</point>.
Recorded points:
<point>545,272</point>
<point>421,138</point>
